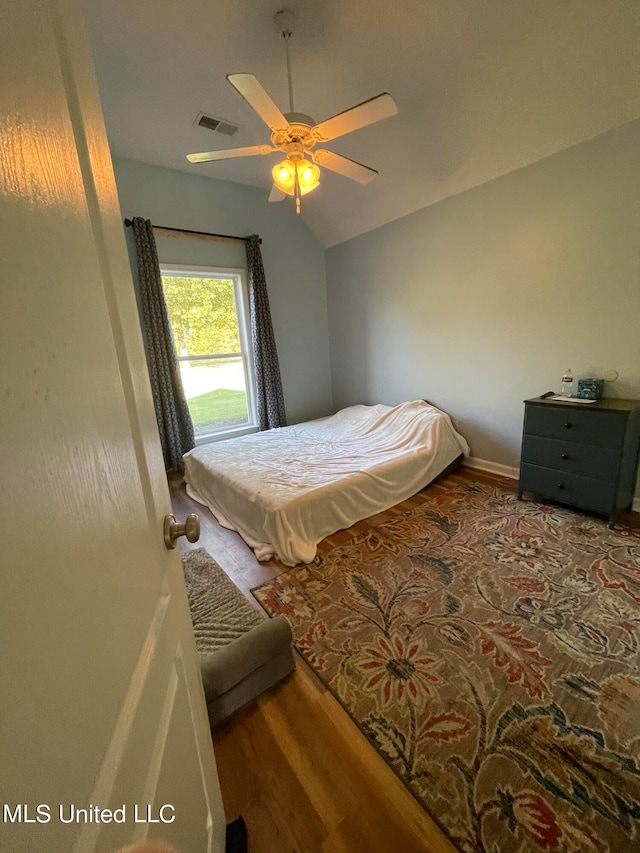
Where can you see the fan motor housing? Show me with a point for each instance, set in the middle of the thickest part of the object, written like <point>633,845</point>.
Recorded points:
<point>298,131</point>
<point>299,118</point>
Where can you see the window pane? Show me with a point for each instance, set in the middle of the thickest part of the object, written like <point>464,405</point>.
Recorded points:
<point>216,394</point>
<point>202,312</point>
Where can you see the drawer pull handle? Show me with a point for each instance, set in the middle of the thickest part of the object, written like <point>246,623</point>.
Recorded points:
<point>561,485</point>
<point>564,455</point>
<point>568,425</point>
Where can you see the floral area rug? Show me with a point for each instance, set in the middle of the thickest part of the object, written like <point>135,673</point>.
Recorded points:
<point>489,649</point>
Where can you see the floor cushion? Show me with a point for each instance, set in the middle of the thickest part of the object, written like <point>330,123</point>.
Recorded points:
<point>242,652</point>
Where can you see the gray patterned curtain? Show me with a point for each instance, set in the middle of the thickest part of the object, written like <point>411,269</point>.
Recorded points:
<point>270,402</point>
<point>172,413</point>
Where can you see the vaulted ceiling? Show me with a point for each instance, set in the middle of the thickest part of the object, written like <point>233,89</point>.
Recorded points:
<point>483,87</point>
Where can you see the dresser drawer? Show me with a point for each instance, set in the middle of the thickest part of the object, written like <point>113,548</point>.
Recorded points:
<point>563,486</point>
<point>573,424</point>
<point>592,460</point>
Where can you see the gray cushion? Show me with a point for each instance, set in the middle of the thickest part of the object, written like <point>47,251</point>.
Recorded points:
<point>242,652</point>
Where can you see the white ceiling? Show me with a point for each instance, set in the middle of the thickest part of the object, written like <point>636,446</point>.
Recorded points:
<point>483,87</point>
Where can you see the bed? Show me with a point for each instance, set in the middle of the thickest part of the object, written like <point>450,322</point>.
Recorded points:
<point>286,489</point>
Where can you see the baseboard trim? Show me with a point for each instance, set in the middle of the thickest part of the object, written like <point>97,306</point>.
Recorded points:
<point>512,473</point>
<point>491,467</point>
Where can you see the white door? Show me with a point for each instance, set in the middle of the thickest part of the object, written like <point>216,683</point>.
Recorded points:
<point>101,705</point>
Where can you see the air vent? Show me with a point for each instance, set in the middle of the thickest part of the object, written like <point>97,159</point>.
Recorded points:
<point>217,124</point>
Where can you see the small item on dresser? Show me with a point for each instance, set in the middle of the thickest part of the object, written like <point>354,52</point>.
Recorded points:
<point>560,399</point>
<point>567,382</point>
<point>590,389</point>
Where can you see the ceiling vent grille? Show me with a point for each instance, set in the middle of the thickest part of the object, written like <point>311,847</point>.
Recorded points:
<point>217,124</point>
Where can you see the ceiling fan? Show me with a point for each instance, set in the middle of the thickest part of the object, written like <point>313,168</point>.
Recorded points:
<point>296,134</point>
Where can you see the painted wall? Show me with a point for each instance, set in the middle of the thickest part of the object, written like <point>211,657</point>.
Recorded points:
<point>483,300</point>
<point>293,259</point>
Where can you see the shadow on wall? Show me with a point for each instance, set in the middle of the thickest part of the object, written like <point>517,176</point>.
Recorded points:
<point>487,442</point>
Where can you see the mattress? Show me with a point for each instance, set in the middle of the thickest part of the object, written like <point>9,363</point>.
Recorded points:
<point>286,489</point>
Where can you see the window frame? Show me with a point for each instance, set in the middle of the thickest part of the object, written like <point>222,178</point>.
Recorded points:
<point>241,296</point>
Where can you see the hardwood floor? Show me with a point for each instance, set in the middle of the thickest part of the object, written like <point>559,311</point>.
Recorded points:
<point>294,765</point>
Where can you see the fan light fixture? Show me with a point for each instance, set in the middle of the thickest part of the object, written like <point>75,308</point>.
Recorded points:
<point>289,173</point>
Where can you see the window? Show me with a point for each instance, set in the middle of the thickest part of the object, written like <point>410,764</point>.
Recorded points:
<point>208,311</point>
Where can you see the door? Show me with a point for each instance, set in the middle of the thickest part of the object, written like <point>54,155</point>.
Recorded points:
<point>104,737</point>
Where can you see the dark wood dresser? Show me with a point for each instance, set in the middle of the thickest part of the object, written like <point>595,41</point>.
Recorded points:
<point>581,454</point>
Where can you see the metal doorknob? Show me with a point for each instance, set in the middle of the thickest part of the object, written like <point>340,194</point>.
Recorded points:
<point>173,530</point>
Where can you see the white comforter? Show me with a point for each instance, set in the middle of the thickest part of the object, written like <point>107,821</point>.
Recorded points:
<point>285,489</point>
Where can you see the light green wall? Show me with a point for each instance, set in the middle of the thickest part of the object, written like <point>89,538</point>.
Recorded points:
<point>482,300</point>
<point>293,261</point>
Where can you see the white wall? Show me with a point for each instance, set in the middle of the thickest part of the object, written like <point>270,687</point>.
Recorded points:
<point>293,262</point>
<point>482,300</point>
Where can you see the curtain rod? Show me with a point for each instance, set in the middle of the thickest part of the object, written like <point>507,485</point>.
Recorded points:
<point>128,223</point>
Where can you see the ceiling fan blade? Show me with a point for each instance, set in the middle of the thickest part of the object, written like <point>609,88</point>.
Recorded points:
<point>368,112</point>
<point>343,166</point>
<point>253,93</point>
<point>276,194</point>
<point>228,153</point>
